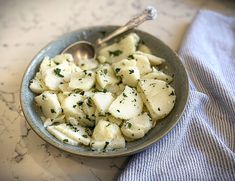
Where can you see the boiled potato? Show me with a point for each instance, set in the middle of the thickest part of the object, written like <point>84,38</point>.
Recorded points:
<point>127,105</point>
<point>88,64</point>
<point>143,48</point>
<point>77,133</point>
<point>158,96</point>
<point>60,136</point>
<point>49,104</point>
<point>121,50</point>
<point>156,74</point>
<point>154,60</point>
<point>72,108</point>
<point>103,101</point>
<point>137,127</point>
<point>142,63</point>
<point>37,85</point>
<point>106,76</point>
<point>84,80</point>
<point>128,71</point>
<point>107,136</point>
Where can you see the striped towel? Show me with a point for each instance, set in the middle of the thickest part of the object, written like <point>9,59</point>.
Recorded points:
<point>202,145</point>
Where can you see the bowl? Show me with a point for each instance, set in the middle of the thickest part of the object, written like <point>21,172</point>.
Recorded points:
<point>173,65</point>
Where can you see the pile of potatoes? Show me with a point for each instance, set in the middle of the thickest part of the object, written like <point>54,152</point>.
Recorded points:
<point>103,102</point>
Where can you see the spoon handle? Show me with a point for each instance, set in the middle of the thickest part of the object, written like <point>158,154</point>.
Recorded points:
<point>149,13</point>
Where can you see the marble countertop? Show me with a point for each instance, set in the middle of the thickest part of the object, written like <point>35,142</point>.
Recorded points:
<point>25,27</point>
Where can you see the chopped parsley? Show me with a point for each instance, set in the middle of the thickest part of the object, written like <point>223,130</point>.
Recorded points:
<point>124,95</point>
<point>115,53</point>
<point>108,125</point>
<point>118,110</point>
<point>117,70</point>
<point>172,93</point>
<point>80,103</point>
<point>129,125</point>
<point>106,144</point>
<point>74,106</point>
<point>85,136</point>
<point>65,140</point>
<point>159,109</point>
<point>131,71</point>
<point>57,72</point>
<point>105,71</point>
<point>130,57</point>
<point>53,111</point>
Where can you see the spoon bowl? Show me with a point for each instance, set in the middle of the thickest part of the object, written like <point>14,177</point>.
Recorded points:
<point>81,50</point>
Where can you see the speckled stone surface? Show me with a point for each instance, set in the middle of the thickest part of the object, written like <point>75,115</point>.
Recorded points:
<point>25,27</point>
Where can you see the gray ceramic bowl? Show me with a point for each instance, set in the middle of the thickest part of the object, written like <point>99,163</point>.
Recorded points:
<point>180,83</point>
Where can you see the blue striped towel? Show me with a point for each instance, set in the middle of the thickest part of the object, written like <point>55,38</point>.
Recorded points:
<point>202,145</point>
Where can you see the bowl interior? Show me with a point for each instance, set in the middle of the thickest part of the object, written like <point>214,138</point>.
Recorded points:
<point>173,66</point>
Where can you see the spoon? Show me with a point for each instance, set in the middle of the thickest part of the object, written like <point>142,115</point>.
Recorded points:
<point>83,50</point>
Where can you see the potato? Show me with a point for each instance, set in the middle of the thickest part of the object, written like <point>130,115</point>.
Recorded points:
<point>72,108</point>
<point>107,136</point>
<point>102,101</point>
<point>127,105</point>
<point>77,133</point>
<point>156,74</point>
<point>49,104</point>
<point>56,75</point>
<point>84,80</point>
<point>142,63</point>
<point>121,50</point>
<point>137,127</point>
<point>128,71</point>
<point>88,64</point>
<point>158,96</point>
<point>60,136</point>
<point>154,60</point>
<point>115,120</point>
<point>37,85</point>
<point>46,64</point>
<point>143,48</point>
<point>106,76</point>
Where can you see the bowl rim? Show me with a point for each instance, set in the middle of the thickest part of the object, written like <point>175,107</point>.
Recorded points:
<point>114,154</point>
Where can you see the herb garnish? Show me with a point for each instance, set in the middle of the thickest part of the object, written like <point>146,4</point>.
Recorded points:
<point>57,72</point>
<point>115,53</point>
<point>53,111</point>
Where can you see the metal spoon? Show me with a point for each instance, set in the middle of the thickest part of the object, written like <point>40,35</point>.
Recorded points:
<point>83,50</point>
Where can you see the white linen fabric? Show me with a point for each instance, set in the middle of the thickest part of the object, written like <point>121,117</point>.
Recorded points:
<point>202,145</point>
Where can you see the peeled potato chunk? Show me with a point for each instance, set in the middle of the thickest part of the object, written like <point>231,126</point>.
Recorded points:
<point>49,104</point>
<point>128,71</point>
<point>143,48</point>
<point>137,127</point>
<point>84,80</point>
<point>156,74</point>
<point>77,133</point>
<point>127,105</point>
<point>142,63</point>
<point>37,85</point>
<point>88,64</point>
<point>60,136</point>
<point>106,76</point>
<point>107,136</point>
<point>72,108</point>
<point>103,101</point>
<point>121,50</point>
<point>158,96</point>
<point>154,60</point>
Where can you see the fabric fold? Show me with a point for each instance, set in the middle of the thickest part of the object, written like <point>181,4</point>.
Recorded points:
<point>202,145</point>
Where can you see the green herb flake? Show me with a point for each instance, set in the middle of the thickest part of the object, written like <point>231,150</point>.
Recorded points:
<point>124,95</point>
<point>80,103</point>
<point>108,125</point>
<point>130,57</point>
<point>57,72</point>
<point>65,140</point>
<point>117,70</point>
<point>118,110</point>
<point>131,71</point>
<point>115,53</point>
<point>74,106</point>
<point>85,136</point>
<point>53,111</point>
<point>105,71</point>
<point>129,125</point>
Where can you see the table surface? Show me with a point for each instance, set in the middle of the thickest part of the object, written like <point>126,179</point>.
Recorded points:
<point>25,27</point>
